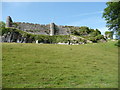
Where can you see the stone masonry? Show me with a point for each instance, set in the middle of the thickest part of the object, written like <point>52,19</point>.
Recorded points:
<point>49,29</point>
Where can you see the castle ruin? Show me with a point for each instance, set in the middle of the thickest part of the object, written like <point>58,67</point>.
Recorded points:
<point>9,22</point>
<point>52,28</point>
<point>36,33</point>
<point>49,29</point>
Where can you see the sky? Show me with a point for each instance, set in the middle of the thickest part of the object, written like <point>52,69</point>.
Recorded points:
<point>61,13</point>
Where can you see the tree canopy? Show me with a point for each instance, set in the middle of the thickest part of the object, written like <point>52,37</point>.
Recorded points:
<point>109,34</point>
<point>2,26</point>
<point>112,16</point>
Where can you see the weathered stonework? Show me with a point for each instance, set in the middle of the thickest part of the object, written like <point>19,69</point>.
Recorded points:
<point>9,22</point>
<point>52,29</point>
<point>40,30</point>
<point>49,29</point>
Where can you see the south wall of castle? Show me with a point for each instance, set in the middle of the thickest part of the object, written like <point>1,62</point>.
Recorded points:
<point>48,29</point>
<point>42,29</point>
<point>33,28</point>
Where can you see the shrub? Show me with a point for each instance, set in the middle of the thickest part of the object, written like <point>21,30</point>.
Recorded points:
<point>118,43</point>
<point>93,39</point>
<point>99,37</point>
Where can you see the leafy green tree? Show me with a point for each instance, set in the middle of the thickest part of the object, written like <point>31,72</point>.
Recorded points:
<point>2,28</point>
<point>98,37</point>
<point>2,24</point>
<point>112,16</point>
<point>109,34</point>
<point>95,33</point>
<point>98,32</point>
<point>84,30</point>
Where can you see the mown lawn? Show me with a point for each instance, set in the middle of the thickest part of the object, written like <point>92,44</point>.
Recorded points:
<point>55,66</point>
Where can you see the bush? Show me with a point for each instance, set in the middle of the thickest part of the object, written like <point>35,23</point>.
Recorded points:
<point>118,43</point>
<point>93,39</point>
<point>99,37</point>
<point>52,39</point>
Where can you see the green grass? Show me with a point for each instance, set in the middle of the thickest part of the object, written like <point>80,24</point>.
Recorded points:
<point>55,66</point>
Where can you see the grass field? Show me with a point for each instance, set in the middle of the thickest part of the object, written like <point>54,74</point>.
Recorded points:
<point>52,66</point>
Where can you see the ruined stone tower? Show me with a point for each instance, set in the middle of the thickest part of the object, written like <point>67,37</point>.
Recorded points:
<point>9,22</point>
<point>52,29</point>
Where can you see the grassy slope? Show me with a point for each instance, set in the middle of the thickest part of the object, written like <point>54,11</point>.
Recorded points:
<point>73,66</point>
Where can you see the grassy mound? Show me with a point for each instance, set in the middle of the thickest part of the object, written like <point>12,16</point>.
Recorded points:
<point>72,66</point>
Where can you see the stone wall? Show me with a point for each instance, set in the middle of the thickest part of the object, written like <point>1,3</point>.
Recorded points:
<point>49,29</point>
<point>33,28</point>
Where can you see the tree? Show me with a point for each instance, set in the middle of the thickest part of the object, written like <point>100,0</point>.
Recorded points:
<point>112,16</point>
<point>109,34</point>
<point>83,30</point>
<point>2,24</point>
<point>95,33</point>
<point>98,32</point>
<point>2,27</point>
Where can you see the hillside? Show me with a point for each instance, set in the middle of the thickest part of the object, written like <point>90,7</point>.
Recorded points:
<point>21,32</point>
<point>72,66</point>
